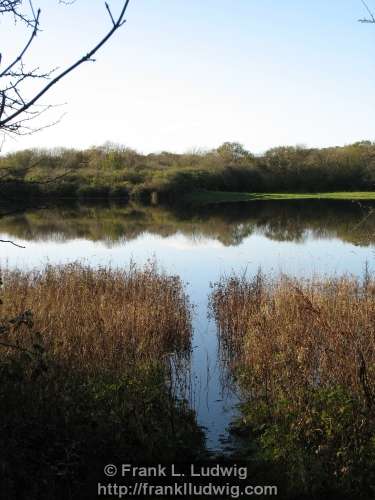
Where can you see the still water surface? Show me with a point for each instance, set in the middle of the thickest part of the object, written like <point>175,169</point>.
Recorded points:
<point>200,245</point>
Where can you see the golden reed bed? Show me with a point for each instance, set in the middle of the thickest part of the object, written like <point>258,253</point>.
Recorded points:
<point>293,332</point>
<point>102,317</point>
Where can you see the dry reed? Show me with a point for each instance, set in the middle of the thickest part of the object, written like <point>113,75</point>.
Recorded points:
<point>100,318</point>
<point>303,353</point>
<point>293,332</point>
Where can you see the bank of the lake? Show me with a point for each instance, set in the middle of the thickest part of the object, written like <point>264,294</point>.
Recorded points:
<point>206,197</point>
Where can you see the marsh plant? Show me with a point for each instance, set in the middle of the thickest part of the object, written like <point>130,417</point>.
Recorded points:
<point>106,392</point>
<point>303,354</point>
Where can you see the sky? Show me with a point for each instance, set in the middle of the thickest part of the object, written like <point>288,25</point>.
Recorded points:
<point>183,75</point>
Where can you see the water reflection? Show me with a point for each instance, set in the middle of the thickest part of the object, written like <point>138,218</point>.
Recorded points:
<point>230,224</point>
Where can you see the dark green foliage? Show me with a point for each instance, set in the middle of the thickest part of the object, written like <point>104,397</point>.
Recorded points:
<point>326,447</point>
<point>115,171</point>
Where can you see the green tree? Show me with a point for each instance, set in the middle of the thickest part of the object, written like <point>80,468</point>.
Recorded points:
<point>233,153</point>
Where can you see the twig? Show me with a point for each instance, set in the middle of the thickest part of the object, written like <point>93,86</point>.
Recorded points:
<point>110,13</point>
<point>22,53</point>
<point>12,243</point>
<point>372,20</point>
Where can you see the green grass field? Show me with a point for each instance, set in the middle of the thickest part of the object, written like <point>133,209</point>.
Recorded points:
<point>205,197</point>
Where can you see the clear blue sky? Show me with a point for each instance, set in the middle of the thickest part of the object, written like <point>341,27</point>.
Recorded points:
<point>192,74</point>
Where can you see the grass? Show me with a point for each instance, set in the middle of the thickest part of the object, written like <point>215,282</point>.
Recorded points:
<point>207,197</point>
<point>86,377</point>
<point>303,353</point>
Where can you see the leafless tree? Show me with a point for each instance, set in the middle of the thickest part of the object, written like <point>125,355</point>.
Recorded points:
<point>19,109</point>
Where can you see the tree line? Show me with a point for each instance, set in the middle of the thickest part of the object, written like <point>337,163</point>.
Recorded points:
<point>117,171</point>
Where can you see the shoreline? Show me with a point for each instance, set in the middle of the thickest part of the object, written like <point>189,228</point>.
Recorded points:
<point>207,197</point>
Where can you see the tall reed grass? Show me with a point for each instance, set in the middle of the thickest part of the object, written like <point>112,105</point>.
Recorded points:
<point>101,318</point>
<point>303,352</point>
<point>88,361</point>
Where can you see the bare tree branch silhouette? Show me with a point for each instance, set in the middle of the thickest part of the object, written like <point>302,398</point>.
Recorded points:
<point>17,110</point>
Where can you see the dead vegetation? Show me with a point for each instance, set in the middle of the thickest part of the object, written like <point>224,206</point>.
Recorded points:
<point>303,354</point>
<point>100,318</point>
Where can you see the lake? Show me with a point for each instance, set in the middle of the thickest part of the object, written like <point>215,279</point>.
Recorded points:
<point>300,238</point>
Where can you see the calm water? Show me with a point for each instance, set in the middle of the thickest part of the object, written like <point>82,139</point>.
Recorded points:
<point>298,238</point>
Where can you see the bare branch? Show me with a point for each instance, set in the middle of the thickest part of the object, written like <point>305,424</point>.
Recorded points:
<point>32,9</point>
<point>13,7</point>
<point>2,106</point>
<point>88,57</point>
<point>12,243</point>
<point>22,53</point>
<point>371,14</point>
<point>16,107</point>
<point>110,14</point>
